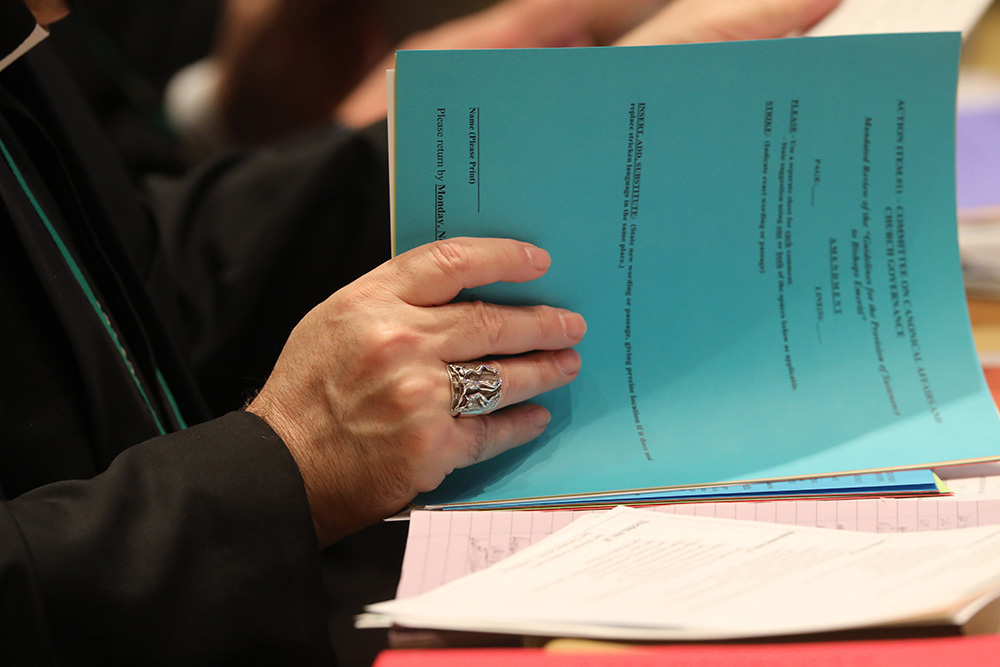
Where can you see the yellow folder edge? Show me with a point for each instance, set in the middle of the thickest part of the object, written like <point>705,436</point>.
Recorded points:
<point>390,81</point>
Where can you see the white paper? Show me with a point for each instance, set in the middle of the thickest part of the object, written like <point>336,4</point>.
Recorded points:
<point>639,574</point>
<point>867,17</point>
<point>36,36</point>
<point>976,488</point>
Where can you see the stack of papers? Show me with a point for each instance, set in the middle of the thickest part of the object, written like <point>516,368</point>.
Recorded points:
<point>639,575</point>
<point>445,546</point>
<point>899,483</point>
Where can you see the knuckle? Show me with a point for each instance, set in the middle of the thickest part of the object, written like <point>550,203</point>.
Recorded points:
<point>453,258</point>
<point>548,319</point>
<point>481,433</point>
<point>388,342</point>
<point>487,318</point>
<point>418,390</point>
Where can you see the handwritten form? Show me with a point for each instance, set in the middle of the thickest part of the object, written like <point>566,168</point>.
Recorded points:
<point>443,546</point>
<point>635,574</point>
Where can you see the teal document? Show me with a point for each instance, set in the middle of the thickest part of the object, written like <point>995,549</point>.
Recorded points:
<point>761,236</point>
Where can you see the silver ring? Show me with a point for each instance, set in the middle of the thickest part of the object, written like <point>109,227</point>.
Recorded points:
<point>475,388</point>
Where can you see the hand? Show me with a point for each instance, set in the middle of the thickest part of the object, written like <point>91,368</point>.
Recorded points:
<point>689,21</point>
<point>361,394</point>
<point>47,12</point>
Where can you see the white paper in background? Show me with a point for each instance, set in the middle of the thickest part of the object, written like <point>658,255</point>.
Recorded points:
<point>868,17</point>
<point>635,574</point>
<point>975,488</point>
<point>36,36</point>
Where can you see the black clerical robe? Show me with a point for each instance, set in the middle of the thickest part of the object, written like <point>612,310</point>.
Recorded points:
<point>134,528</point>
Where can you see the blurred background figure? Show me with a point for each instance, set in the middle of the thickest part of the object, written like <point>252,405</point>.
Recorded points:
<point>280,65</point>
<point>176,81</point>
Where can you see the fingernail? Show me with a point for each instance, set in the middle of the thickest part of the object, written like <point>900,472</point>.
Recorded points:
<point>538,257</point>
<point>539,417</point>
<point>574,326</point>
<point>567,361</point>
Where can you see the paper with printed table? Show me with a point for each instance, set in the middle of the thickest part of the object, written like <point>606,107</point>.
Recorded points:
<point>761,236</point>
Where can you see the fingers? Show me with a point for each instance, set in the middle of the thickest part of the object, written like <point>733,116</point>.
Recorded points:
<point>529,375</point>
<point>610,19</point>
<point>511,24</point>
<point>535,24</point>
<point>514,423</point>
<point>487,436</point>
<point>689,21</point>
<point>476,330</point>
<point>434,274</point>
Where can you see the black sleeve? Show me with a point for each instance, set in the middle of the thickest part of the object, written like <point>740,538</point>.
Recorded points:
<point>254,240</point>
<point>192,548</point>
